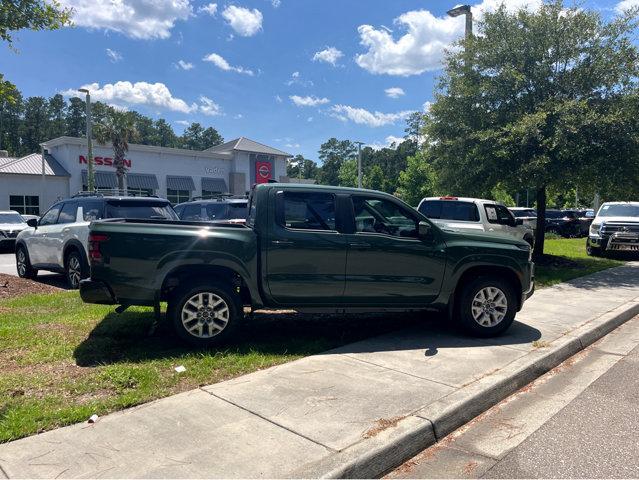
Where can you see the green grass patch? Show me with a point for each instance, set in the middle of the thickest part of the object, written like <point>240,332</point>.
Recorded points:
<point>567,259</point>
<point>62,360</point>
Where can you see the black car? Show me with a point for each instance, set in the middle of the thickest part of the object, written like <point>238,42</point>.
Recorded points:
<point>224,208</point>
<point>563,222</point>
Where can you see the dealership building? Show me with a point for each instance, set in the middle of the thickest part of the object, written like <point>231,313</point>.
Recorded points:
<point>30,184</point>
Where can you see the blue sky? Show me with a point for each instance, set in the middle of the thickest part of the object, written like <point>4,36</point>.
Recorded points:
<point>289,73</point>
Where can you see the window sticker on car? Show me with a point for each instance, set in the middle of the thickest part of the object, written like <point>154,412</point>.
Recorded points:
<point>492,213</point>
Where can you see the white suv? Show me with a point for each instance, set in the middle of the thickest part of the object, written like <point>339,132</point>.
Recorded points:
<point>58,242</point>
<point>475,215</point>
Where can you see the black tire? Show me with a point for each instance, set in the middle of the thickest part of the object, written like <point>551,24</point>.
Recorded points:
<point>75,269</point>
<point>466,300</point>
<point>23,264</point>
<point>593,251</point>
<point>208,328</point>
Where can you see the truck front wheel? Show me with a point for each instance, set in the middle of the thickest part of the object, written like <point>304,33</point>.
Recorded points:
<point>486,306</point>
<point>206,314</point>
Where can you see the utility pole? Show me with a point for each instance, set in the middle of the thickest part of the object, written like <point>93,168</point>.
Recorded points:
<point>463,10</point>
<point>90,174</point>
<point>359,163</point>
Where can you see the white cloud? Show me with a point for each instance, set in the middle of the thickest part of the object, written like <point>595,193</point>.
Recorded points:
<point>278,99</point>
<point>394,92</point>
<point>222,64</point>
<point>426,106</point>
<point>364,117</point>
<point>308,101</point>
<point>296,79</point>
<point>244,21</point>
<point>209,107</point>
<point>185,65</point>
<point>393,139</point>
<point>155,95</point>
<point>292,145</point>
<point>140,19</point>
<point>113,55</point>
<point>184,123</point>
<point>390,142</point>
<point>329,55</point>
<point>276,3</point>
<point>211,9</point>
<point>309,119</point>
<point>626,5</point>
<point>421,48</point>
<point>238,116</point>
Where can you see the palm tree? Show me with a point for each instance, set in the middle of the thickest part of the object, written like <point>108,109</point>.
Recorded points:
<point>117,128</point>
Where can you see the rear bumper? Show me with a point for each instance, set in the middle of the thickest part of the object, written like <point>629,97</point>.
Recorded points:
<point>93,291</point>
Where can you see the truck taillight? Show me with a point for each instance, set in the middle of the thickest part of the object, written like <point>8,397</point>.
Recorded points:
<point>95,239</point>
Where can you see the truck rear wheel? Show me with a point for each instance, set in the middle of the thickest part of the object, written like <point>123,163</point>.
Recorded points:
<point>486,306</point>
<point>205,314</point>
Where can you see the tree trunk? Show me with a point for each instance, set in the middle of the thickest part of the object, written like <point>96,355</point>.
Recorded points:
<point>119,172</point>
<point>541,222</point>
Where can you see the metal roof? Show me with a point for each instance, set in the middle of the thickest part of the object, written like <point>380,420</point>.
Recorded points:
<point>217,185</point>
<point>32,165</point>
<point>142,180</point>
<point>180,183</point>
<point>247,145</point>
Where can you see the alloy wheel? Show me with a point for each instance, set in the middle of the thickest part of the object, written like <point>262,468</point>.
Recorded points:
<point>22,263</point>
<point>74,271</point>
<point>489,306</point>
<point>205,315</point>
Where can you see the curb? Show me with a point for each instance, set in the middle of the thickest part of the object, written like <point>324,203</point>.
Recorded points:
<point>373,457</point>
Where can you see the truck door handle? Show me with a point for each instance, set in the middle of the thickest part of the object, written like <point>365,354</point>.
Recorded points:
<point>282,242</point>
<point>66,230</point>
<point>360,246</point>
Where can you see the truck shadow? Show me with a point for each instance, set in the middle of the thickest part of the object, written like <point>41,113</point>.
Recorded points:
<point>130,337</point>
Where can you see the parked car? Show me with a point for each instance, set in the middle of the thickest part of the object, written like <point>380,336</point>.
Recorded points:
<point>584,221</point>
<point>11,224</point>
<point>29,217</point>
<point>527,215</point>
<point>311,248</point>
<point>223,208</point>
<point>614,229</point>
<point>562,222</point>
<point>475,215</point>
<point>58,242</point>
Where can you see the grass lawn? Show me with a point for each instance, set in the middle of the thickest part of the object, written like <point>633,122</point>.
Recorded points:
<point>62,360</point>
<point>572,262</point>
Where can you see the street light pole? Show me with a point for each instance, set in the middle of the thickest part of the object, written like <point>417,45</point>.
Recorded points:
<point>90,174</point>
<point>463,10</point>
<point>359,164</point>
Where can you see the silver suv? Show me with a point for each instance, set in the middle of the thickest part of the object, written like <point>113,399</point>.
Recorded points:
<point>11,224</point>
<point>58,242</point>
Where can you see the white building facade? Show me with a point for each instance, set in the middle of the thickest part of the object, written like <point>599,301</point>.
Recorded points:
<point>32,183</point>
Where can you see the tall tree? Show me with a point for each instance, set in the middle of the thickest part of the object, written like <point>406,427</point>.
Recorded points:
<point>147,134</point>
<point>117,128</point>
<point>333,153</point>
<point>56,112</point>
<point>300,167</point>
<point>535,98</point>
<point>211,138</point>
<point>10,110</point>
<point>76,118</point>
<point>418,180</point>
<point>165,135</point>
<point>35,124</point>
<point>31,14</point>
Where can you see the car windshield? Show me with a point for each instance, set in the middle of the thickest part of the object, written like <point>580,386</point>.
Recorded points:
<point>622,210</point>
<point>524,213</point>
<point>11,218</point>
<point>138,209</point>
<point>226,211</point>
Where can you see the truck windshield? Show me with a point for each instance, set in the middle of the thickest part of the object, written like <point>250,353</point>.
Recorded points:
<point>140,209</point>
<point>226,211</point>
<point>12,218</point>
<point>619,211</point>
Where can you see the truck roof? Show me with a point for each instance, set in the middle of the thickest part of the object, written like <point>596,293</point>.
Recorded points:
<point>307,186</point>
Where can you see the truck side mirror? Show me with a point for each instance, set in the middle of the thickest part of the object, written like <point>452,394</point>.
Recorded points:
<point>32,222</point>
<point>424,230</point>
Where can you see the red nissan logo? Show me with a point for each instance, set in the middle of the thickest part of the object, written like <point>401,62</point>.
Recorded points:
<point>264,171</point>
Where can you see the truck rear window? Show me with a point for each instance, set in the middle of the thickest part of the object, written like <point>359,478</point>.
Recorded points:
<point>139,209</point>
<point>450,210</point>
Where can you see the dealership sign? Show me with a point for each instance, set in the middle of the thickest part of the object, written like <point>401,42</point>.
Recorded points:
<point>263,172</point>
<point>107,161</point>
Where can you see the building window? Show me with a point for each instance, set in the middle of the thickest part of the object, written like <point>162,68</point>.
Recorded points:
<point>178,196</point>
<point>139,192</point>
<point>26,204</point>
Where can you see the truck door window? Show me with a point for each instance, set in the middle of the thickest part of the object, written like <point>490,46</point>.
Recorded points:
<point>68,213</point>
<point>499,214</point>
<point>373,215</point>
<point>51,216</point>
<point>309,211</point>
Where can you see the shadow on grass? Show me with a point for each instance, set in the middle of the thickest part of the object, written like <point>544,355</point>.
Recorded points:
<point>126,338</point>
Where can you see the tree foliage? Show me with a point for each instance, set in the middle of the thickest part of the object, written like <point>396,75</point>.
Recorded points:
<point>119,129</point>
<point>543,99</point>
<point>31,14</point>
<point>300,167</point>
<point>333,153</point>
<point>418,180</point>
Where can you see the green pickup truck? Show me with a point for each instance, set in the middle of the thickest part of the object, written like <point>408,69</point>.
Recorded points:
<point>308,248</point>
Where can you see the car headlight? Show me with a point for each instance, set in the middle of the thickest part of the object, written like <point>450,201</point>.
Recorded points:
<point>594,229</point>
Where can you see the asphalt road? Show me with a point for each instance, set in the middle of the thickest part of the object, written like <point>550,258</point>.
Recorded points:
<point>581,421</point>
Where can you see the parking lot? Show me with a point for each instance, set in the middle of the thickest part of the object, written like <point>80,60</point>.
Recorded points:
<point>8,266</point>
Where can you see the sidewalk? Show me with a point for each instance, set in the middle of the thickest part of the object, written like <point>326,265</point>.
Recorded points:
<point>354,411</point>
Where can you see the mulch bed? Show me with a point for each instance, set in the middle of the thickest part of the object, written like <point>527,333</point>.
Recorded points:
<point>11,286</point>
